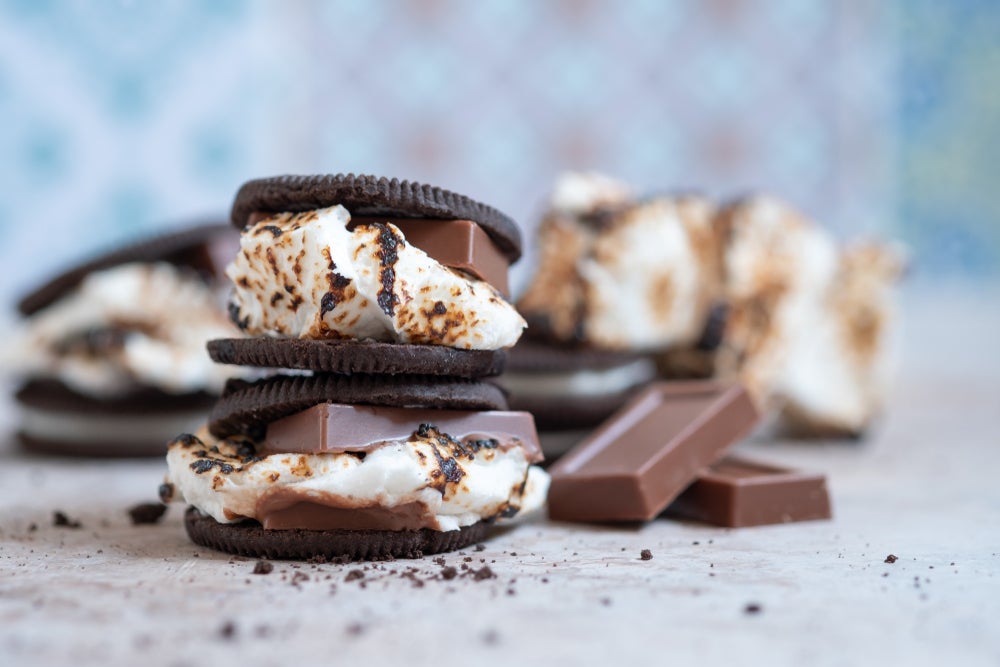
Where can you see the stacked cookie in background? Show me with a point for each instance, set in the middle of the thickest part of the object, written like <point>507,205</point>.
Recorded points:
<point>619,280</point>
<point>378,305</point>
<point>110,354</point>
<point>676,288</point>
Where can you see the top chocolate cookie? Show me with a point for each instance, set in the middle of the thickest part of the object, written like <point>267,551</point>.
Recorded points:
<point>365,195</point>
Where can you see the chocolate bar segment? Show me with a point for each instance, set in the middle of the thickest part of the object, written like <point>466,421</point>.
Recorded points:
<point>460,244</point>
<point>336,427</point>
<point>737,493</point>
<point>648,452</point>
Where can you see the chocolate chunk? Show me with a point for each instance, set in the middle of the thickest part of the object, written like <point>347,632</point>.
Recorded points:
<point>648,452</point>
<point>248,538</point>
<point>248,407</point>
<point>459,244</point>
<point>60,520</point>
<point>334,427</point>
<point>735,492</point>
<point>146,513</point>
<point>368,196</point>
<point>350,356</point>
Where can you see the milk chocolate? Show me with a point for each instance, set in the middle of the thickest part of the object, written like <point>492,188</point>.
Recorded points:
<point>736,492</point>
<point>648,452</point>
<point>338,427</point>
<point>288,509</point>
<point>459,244</point>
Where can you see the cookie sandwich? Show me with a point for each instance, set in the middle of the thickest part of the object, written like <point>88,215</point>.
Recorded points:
<point>379,304</point>
<point>106,365</point>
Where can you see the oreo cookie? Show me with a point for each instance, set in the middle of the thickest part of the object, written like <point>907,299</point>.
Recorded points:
<point>364,195</point>
<point>353,356</point>
<point>250,539</point>
<point>248,407</point>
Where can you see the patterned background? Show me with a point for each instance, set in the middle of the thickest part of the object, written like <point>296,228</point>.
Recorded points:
<point>878,118</point>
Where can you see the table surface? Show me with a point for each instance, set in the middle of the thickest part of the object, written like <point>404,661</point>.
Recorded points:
<point>922,487</point>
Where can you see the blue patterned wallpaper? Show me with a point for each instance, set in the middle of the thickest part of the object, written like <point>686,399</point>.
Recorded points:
<point>878,118</point>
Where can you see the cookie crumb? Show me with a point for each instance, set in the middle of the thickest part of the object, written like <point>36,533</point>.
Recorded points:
<point>646,554</point>
<point>483,573</point>
<point>228,630</point>
<point>354,575</point>
<point>752,608</point>
<point>448,572</point>
<point>891,558</point>
<point>263,567</point>
<point>146,513</point>
<point>60,520</point>
<point>355,629</point>
<point>480,547</point>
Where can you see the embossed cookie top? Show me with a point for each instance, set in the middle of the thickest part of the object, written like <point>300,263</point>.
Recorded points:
<point>365,195</point>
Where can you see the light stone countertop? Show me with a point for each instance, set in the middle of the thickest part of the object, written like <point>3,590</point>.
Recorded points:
<point>924,488</point>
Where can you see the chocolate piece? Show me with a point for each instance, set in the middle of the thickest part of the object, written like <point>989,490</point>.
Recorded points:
<point>353,356</point>
<point>648,452</point>
<point>364,195</point>
<point>735,492</point>
<point>460,244</point>
<point>288,509</point>
<point>248,407</point>
<point>205,248</point>
<point>250,539</point>
<point>332,427</point>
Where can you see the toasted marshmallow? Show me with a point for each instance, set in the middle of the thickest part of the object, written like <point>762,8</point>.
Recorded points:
<point>579,193</point>
<point>307,275</point>
<point>639,277</point>
<point>161,316</point>
<point>807,330</point>
<point>453,485</point>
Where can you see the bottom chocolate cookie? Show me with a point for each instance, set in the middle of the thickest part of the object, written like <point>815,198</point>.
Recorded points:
<point>250,539</point>
<point>93,448</point>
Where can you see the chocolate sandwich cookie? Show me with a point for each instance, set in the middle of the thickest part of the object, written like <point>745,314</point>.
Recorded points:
<point>571,389</point>
<point>249,538</point>
<point>381,303</point>
<point>372,197</point>
<point>353,356</point>
<point>106,366</point>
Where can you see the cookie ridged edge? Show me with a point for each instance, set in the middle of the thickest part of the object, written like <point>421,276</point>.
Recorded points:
<point>364,194</point>
<point>251,539</point>
<point>349,357</point>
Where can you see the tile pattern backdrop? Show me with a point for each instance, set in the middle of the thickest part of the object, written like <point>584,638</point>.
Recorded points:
<point>121,117</point>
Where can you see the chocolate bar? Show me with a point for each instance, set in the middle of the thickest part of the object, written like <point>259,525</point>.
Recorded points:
<point>335,427</point>
<point>460,244</point>
<point>648,452</point>
<point>736,493</point>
